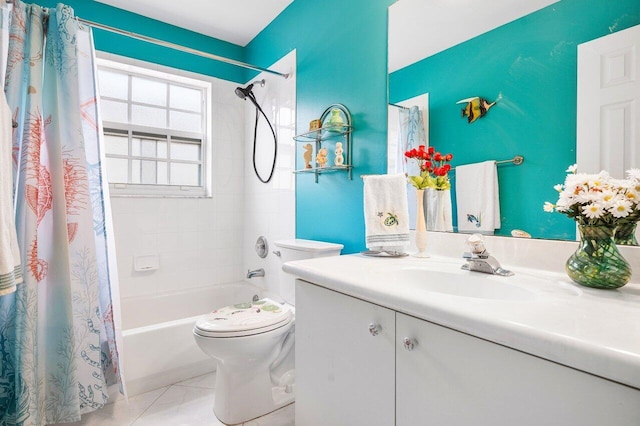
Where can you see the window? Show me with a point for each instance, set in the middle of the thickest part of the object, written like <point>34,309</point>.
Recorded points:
<point>156,130</point>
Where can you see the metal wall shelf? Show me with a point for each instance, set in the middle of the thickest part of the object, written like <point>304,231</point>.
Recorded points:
<point>330,134</point>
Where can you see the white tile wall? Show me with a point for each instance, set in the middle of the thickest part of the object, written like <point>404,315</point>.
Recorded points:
<point>270,208</point>
<point>198,240</point>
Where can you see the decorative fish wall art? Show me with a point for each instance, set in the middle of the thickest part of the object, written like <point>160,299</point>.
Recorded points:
<point>476,108</point>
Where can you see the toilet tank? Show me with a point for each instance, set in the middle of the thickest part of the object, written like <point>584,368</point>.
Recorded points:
<point>298,249</point>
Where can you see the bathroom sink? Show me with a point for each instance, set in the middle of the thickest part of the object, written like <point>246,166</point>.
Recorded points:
<point>462,284</point>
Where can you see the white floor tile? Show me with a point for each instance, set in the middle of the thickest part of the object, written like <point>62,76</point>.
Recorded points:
<point>207,381</point>
<point>188,403</point>
<point>120,413</point>
<point>282,417</point>
<point>181,406</point>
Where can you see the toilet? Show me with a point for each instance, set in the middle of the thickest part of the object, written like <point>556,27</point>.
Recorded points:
<point>252,343</point>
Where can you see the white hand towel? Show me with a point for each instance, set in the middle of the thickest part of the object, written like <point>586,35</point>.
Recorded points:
<point>477,198</point>
<point>386,212</point>
<point>10,269</point>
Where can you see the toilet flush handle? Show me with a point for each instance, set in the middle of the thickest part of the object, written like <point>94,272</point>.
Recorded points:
<point>277,253</point>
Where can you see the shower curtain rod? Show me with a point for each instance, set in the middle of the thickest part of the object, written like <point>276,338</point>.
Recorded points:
<point>175,46</point>
<point>398,106</point>
<point>180,47</point>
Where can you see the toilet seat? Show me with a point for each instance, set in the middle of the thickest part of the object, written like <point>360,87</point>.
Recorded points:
<point>244,319</point>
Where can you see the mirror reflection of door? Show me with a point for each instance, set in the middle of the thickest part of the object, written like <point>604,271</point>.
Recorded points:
<point>608,122</point>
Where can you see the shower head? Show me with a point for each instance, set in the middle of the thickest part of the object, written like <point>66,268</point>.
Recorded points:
<point>247,91</point>
<point>243,93</point>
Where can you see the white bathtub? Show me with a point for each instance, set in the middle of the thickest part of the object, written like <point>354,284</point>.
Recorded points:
<point>159,348</point>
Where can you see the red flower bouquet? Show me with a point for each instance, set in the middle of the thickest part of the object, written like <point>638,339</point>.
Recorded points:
<point>434,168</point>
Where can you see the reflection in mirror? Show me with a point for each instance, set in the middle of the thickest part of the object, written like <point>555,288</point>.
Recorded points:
<point>398,142</point>
<point>522,54</point>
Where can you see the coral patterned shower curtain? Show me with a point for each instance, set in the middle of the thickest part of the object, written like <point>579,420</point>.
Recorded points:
<point>58,338</point>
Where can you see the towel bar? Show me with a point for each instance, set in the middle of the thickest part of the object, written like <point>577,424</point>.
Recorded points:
<point>517,160</point>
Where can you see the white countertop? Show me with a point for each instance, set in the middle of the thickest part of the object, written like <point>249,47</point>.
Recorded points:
<point>596,331</point>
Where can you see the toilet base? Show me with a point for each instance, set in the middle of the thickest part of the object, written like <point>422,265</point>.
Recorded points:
<point>247,395</point>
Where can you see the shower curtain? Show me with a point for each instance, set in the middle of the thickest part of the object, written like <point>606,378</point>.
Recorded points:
<point>59,332</point>
<point>437,204</point>
<point>411,135</point>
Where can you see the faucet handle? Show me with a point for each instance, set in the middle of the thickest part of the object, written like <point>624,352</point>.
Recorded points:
<point>476,242</point>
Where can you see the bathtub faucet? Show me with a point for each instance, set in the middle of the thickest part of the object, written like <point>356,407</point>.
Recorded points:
<point>255,273</point>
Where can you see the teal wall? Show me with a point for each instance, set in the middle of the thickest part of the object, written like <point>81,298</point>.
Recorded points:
<point>341,50</point>
<point>121,45</point>
<point>531,64</point>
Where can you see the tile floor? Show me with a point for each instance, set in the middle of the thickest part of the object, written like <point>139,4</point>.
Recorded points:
<point>188,403</point>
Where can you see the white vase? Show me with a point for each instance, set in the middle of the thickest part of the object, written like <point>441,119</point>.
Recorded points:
<point>421,225</point>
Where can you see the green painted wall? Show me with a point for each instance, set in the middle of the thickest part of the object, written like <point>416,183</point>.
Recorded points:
<point>531,64</point>
<point>341,50</point>
<point>113,43</point>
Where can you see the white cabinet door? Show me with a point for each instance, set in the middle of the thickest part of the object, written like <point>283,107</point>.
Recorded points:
<point>344,374</point>
<point>451,378</point>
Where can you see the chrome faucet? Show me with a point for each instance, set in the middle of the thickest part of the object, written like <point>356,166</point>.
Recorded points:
<point>255,273</point>
<point>479,260</point>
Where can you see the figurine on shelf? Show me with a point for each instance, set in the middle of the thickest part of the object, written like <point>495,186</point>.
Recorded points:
<point>335,122</point>
<point>321,158</point>
<point>339,160</point>
<point>314,124</point>
<point>308,153</point>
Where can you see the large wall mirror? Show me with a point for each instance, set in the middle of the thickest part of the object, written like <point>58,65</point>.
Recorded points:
<point>524,56</point>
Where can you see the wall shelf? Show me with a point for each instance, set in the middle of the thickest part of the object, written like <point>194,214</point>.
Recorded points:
<point>326,137</point>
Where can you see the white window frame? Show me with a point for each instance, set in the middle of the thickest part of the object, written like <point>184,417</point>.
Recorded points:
<point>160,190</point>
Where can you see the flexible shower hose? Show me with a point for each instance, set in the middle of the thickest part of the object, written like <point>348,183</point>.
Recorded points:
<point>255,137</point>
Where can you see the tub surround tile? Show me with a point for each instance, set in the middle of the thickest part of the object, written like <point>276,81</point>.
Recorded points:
<point>269,209</point>
<point>167,226</point>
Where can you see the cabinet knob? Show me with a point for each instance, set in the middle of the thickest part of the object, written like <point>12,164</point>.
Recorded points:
<point>409,343</point>
<point>374,329</point>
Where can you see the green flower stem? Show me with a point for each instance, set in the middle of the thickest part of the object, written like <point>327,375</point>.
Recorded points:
<point>625,234</point>
<point>597,262</point>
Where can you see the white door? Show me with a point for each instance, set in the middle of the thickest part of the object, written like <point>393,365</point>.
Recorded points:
<point>344,374</point>
<point>608,131</point>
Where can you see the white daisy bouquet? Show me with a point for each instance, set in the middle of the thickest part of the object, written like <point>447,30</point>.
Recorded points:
<point>598,199</point>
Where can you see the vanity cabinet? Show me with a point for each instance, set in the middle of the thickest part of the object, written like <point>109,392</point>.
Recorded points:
<point>451,378</point>
<point>414,372</point>
<point>346,373</point>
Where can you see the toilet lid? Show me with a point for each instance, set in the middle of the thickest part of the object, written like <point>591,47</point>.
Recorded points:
<point>244,319</point>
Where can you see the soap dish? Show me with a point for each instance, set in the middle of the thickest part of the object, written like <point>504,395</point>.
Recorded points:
<point>384,253</point>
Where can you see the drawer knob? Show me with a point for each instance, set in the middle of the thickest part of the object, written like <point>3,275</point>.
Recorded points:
<point>409,343</point>
<point>374,329</point>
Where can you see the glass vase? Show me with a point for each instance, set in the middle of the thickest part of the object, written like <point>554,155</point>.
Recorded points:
<point>421,225</point>
<point>597,262</point>
<point>625,234</point>
<point>439,216</point>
